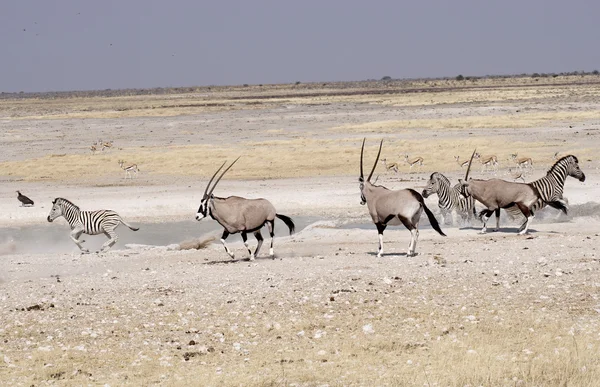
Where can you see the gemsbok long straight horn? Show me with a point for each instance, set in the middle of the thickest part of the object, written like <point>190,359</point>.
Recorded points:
<point>495,194</point>
<point>237,214</point>
<point>388,207</point>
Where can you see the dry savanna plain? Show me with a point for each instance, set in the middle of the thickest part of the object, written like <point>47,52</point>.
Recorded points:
<point>167,306</point>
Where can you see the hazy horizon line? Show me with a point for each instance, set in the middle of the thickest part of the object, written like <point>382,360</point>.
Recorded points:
<point>382,79</point>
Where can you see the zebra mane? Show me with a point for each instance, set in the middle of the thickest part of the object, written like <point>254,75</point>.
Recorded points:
<point>68,202</point>
<point>439,176</point>
<point>563,160</point>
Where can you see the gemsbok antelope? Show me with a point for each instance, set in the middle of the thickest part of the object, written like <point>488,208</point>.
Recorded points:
<point>412,162</point>
<point>237,214</point>
<point>393,207</point>
<point>388,167</point>
<point>487,162</point>
<point>522,161</point>
<point>133,168</point>
<point>495,194</point>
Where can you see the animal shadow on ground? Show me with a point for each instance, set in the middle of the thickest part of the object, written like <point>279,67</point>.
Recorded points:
<point>241,260</point>
<point>502,230</point>
<point>398,254</point>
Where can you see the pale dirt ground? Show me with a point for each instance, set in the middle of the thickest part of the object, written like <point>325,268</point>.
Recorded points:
<point>470,309</point>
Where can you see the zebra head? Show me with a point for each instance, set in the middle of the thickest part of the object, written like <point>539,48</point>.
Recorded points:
<point>571,163</point>
<point>433,185</point>
<point>208,194</point>
<point>56,210</point>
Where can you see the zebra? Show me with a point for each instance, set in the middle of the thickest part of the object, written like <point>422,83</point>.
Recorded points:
<point>449,198</point>
<point>88,222</point>
<point>552,185</point>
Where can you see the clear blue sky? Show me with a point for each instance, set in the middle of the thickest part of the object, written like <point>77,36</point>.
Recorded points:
<point>81,45</point>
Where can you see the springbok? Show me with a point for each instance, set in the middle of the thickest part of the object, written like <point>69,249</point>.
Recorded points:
<point>412,162</point>
<point>495,194</point>
<point>516,175</point>
<point>389,207</point>
<point>461,163</point>
<point>522,161</point>
<point>107,145</point>
<point>237,214</point>
<point>129,169</point>
<point>486,162</point>
<point>392,166</point>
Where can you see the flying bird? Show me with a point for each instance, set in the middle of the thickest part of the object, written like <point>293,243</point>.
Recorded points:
<point>25,201</point>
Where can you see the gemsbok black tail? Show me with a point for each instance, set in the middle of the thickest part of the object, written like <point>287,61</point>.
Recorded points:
<point>288,222</point>
<point>433,220</point>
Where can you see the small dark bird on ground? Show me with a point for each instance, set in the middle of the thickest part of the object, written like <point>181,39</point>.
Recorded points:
<point>25,201</point>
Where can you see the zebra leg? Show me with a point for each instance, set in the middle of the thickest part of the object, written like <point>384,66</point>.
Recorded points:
<point>245,239</point>
<point>445,214</point>
<point>112,239</point>
<point>259,238</point>
<point>223,237</point>
<point>380,228</point>
<point>75,234</point>
<point>271,227</point>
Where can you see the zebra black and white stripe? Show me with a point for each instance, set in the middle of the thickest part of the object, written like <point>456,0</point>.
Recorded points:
<point>88,222</point>
<point>449,198</point>
<point>552,185</point>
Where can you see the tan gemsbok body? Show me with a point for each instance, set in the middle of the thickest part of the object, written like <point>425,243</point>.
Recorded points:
<point>237,214</point>
<point>495,194</point>
<point>388,207</point>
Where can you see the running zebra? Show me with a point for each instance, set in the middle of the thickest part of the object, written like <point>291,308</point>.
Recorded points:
<point>449,198</point>
<point>88,222</point>
<point>552,185</point>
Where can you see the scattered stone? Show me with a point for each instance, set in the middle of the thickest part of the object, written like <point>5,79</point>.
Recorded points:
<point>368,329</point>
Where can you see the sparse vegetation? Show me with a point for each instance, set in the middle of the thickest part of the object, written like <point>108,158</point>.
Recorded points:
<point>459,77</point>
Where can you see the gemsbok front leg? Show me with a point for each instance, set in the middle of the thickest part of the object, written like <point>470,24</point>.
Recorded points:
<point>223,237</point>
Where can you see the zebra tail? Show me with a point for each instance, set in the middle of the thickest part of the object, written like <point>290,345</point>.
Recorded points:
<point>433,220</point>
<point>128,225</point>
<point>288,222</point>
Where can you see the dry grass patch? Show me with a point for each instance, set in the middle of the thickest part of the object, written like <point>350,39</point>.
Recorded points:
<point>280,159</point>
<point>515,120</point>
